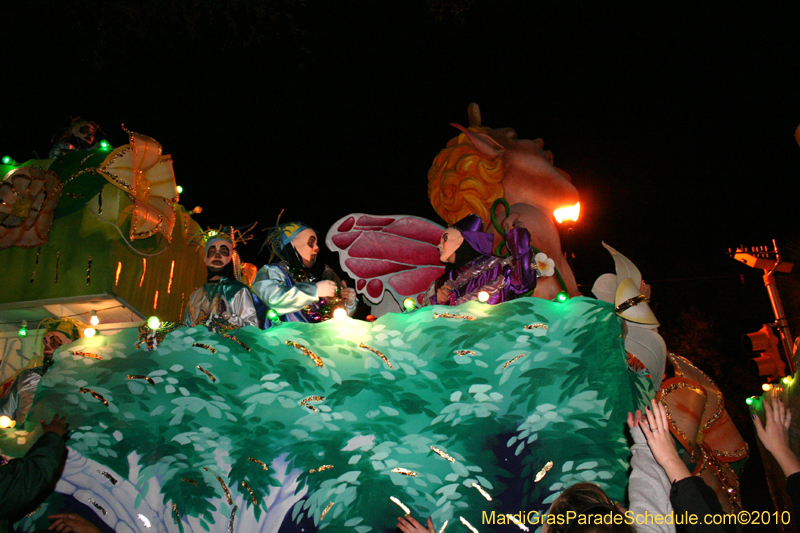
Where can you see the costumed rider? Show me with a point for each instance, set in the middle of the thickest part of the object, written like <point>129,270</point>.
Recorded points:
<point>21,393</point>
<point>471,268</point>
<point>223,300</point>
<point>297,288</point>
<point>80,135</point>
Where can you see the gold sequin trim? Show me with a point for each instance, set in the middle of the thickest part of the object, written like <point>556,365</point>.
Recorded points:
<point>95,394</point>
<point>404,471</point>
<point>108,476</point>
<point>320,469</point>
<point>378,353</point>
<point>507,363</point>
<point>470,526</point>
<point>466,352</point>
<point>665,391</point>
<point>402,506</point>
<point>252,494</point>
<point>97,506</point>
<point>176,513</point>
<point>190,481</point>
<point>86,354</point>
<point>442,454</point>
<point>538,325</point>
<point>482,491</point>
<point>207,373</point>
<point>307,352</point>
<point>325,511</point>
<point>543,472</point>
<point>224,486</point>
<point>205,346</point>
<point>137,376</point>
<point>261,463</point>
<point>451,315</point>
<point>304,402</point>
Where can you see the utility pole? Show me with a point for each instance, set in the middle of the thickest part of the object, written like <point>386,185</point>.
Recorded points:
<point>761,257</point>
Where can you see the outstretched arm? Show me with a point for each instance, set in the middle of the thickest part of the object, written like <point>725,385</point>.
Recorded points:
<point>774,435</point>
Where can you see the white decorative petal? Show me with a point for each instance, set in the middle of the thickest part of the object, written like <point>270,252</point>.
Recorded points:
<point>605,287</point>
<point>625,268</point>
<point>649,348</point>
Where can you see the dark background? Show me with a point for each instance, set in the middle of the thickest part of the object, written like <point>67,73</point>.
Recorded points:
<point>675,122</point>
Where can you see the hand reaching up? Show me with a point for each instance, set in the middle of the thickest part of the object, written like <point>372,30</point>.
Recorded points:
<point>774,435</point>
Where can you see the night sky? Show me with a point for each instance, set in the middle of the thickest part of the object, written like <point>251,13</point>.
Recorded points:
<point>676,124</point>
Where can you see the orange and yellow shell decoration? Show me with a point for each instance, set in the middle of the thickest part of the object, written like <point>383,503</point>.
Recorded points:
<point>699,421</point>
<point>140,169</point>
<point>28,198</point>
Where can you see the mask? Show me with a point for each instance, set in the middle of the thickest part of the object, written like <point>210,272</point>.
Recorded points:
<point>305,243</point>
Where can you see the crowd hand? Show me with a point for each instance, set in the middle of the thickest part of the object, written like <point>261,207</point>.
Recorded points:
<point>774,435</point>
<point>408,524</point>
<point>58,425</point>
<point>67,522</point>
<point>326,288</point>
<point>655,426</point>
<point>443,295</point>
<point>634,419</point>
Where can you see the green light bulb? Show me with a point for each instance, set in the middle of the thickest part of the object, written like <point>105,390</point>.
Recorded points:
<point>272,315</point>
<point>153,322</point>
<point>562,296</point>
<point>786,380</point>
<point>179,189</point>
<point>749,401</point>
<point>23,331</point>
<point>104,144</point>
<point>409,303</point>
<point>7,160</point>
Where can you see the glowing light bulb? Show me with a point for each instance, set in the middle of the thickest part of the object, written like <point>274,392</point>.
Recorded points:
<point>766,387</point>
<point>23,331</point>
<point>786,380</point>
<point>339,313</point>
<point>7,160</point>
<point>89,332</point>
<point>567,213</point>
<point>272,315</point>
<point>179,189</point>
<point>153,322</point>
<point>483,296</point>
<point>749,401</point>
<point>94,320</point>
<point>6,422</point>
<point>409,303</point>
<point>104,144</point>
<point>562,296</point>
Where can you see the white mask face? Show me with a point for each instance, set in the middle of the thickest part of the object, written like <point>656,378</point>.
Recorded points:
<point>218,255</point>
<point>306,245</point>
<point>448,244</point>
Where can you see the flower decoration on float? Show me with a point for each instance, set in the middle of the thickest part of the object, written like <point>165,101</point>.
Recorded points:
<point>28,198</point>
<point>140,169</point>
<point>544,265</point>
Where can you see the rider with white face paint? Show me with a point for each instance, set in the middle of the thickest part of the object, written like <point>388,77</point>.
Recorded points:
<point>295,287</point>
<point>222,297</point>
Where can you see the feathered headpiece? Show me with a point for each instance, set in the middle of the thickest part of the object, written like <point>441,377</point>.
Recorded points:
<point>230,235</point>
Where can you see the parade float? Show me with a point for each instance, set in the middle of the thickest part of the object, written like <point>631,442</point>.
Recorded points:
<point>477,415</point>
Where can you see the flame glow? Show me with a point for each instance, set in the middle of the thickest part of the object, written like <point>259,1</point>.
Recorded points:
<point>567,213</point>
